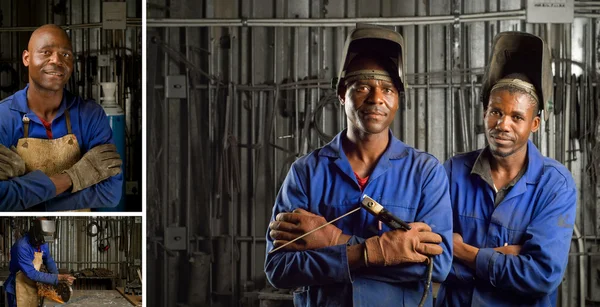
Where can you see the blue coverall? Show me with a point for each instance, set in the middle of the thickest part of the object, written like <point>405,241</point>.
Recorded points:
<point>91,127</point>
<point>537,213</point>
<point>21,259</point>
<point>409,183</point>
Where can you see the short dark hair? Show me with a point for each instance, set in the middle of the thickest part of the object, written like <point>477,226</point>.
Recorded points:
<point>512,90</point>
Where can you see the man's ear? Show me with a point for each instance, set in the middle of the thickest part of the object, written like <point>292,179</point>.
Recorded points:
<point>536,124</point>
<point>25,58</point>
<point>341,94</point>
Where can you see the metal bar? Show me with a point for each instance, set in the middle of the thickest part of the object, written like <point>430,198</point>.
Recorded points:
<point>334,22</point>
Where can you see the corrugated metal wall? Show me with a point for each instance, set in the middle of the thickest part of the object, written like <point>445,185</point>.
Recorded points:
<point>83,21</point>
<point>249,91</point>
<point>76,244</point>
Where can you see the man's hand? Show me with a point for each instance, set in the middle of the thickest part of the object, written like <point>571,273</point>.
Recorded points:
<point>401,246</point>
<point>66,277</point>
<point>509,249</point>
<point>97,165</point>
<point>289,226</point>
<point>11,164</point>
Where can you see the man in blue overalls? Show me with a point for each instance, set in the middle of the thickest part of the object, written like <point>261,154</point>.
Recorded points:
<point>56,150</point>
<point>514,209</point>
<point>358,261</point>
<point>26,257</point>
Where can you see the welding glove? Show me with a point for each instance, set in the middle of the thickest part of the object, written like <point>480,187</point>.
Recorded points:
<point>403,246</point>
<point>11,164</point>
<point>289,226</point>
<point>97,165</point>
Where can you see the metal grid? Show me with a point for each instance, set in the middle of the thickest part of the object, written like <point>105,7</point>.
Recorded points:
<point>256,95</point>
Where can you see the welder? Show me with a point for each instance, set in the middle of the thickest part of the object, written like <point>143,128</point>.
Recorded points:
<point>26,258</point>
<point>56,149</point>
<point>514,209</point>
<point>358,261</point>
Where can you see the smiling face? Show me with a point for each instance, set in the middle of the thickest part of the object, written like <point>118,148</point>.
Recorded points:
<point>370,104</point>
<point>509,120</point>
<point>49,58</point>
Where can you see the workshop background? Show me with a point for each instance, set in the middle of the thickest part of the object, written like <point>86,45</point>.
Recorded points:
<point>108,50</point>
<point>103,253</point>
<point>238,90</point>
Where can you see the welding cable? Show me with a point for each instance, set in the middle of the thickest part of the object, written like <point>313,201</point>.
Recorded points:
<point>14,78</point>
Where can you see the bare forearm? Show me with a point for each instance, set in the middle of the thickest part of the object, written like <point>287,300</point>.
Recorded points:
<point>466,253</point>
<point>356,256</point>
<point>62,182</point>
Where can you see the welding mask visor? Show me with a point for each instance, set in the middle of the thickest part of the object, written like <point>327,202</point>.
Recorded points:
<point>520,52</point>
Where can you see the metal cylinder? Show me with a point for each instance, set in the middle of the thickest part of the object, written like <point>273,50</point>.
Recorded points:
<point>198,294</point>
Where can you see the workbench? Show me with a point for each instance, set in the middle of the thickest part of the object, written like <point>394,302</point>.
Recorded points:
<point>92,298</point>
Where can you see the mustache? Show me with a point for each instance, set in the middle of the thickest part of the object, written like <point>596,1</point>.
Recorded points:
<point>373,109</point>
<point>501,135</point>
<point>55,69</point>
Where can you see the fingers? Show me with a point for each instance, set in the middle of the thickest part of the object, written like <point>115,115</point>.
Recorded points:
<point>420,226</point>
<point>429,237</point>
<point>278,235</point>
<point>113,155</point>
<point>283,226</point>
<point>429,249</point>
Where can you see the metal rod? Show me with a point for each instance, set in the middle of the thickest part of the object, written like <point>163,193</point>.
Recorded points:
<point>333,22</point>
<point>306,234</point>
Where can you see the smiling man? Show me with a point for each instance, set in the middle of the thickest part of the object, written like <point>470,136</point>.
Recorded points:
<point>357,261</point>
<point>514,209</point>
<point>56,150</point>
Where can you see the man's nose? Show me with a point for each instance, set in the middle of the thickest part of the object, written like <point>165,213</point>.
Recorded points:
<point>502,123</point>
<point>376,96</point>
<point>56,59</point>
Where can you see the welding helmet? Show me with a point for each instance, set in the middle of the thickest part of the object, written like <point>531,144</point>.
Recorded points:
<point>524,53</point>
<point>366,38</point>
<point>42,231</point>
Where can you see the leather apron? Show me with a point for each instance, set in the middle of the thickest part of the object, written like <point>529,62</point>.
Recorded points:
<point>26,289</point>
<point>50,156</point>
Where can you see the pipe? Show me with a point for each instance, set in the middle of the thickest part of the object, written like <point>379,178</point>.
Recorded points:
<point>334,22</point>
<point>581,266</point>
<point>131,22</point>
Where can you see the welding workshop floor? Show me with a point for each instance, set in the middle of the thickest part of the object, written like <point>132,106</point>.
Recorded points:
<point>91,298</point>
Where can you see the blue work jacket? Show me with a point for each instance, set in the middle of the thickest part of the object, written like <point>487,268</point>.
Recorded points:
<point>90,125</point>
<point>537,213</point>
<point>21,259</point>
<point>409,183</point>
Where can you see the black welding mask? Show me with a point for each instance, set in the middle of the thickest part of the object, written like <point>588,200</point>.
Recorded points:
<point>375,40</point>
<point>42,231</point>
<point>524,53</point>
